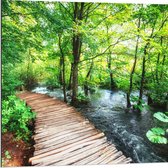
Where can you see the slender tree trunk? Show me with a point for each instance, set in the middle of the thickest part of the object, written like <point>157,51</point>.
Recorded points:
<point>87,78</point>
<point>112,84</point>
<point>163,63</point>
<point>62,69</point>
<point>142,76</point>
<point>134,66</point>
<point>158,62</point>
<point>28,79</point>
<point>77,44</point>
<point>64,82</point>
<point>70,78</point>
<point>144,67</point>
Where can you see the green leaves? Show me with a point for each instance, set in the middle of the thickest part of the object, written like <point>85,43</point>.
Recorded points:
<point>16,117</point>
<point>161,117</point>
<point>7,155</point>
<point>155,135</point>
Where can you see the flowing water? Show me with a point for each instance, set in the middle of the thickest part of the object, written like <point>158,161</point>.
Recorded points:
<point>106,109</point>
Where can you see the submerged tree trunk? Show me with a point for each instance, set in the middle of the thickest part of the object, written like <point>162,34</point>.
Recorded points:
<point>77,44</point>
<point>62,69</point>
<point>134,66</point>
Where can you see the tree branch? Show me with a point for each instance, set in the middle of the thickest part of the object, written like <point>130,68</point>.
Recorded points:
<point>66,10</point>
<point>88,12</point>
<point>24,14</point>
<point>104,52</point>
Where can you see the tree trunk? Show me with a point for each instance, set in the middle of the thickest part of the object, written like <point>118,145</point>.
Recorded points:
<point>163,63</point>
<point>112,83</point>
<point>86,88</point>
<point>70,78</point>
<point>75,83</point>
<point>158,62</point>
<point>134,66</point>
<point>62,69</point>
<point>77,44</point>
<point>144,66</point>
<point>142,76</point>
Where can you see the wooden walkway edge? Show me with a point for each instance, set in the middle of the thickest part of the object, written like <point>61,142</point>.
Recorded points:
<point>64,137</point>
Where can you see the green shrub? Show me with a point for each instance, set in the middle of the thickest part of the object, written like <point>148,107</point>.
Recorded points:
<point>52,83</point>
<point>141,106</point>
<point>16,117</point>
<point>81,97</point>
<point>158,92</point>
<point>10,81</point>
<point>28,74</point>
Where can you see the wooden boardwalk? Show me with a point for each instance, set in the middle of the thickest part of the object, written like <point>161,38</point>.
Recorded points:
<point>64,137</point>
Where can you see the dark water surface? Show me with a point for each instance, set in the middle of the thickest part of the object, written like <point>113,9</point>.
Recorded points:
<point>106,109</point>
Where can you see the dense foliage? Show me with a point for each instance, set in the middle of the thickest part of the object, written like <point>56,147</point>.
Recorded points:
<point>16,118</point>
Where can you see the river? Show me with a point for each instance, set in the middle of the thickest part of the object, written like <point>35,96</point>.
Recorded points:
<point>106,109</point>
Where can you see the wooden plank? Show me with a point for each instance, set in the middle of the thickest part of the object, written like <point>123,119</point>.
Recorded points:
<point>112,157</point>
<point>43,109</point>
<point>66,141</point>
<point>57,123</point>
<point>24,94</point>
<point>44,128</point>
<point>47,104</point>
<point>56,109</point>
<point>51,134</point>
<point>82,155</point>
<point>55,138</point>
<point>105,155</point>
<point>59,129</point>
<point>126,160</point>
<point>58,112</point>
<point>117,160</point>
<point>56,118</point>
<point>94,156</point>
<point>69,153</point>
<point>32,96</point>
<point>57,115</point>
<point>43,103</point>
<point>76,145</point>
<point>40,100</point>
<point>51,142</point>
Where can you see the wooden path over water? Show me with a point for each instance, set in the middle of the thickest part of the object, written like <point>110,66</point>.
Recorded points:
<point>64,137</point>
